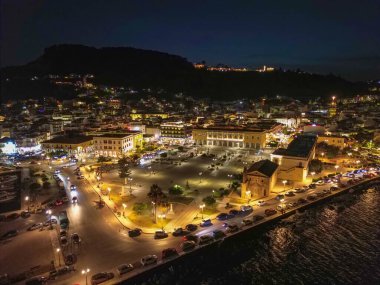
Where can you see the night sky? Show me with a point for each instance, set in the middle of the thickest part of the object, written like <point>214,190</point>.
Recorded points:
<point>342,37</point>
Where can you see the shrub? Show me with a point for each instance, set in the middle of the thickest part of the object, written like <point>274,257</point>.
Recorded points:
<point>175,190</point>
<point>139,208</point>
<point>209,201</point>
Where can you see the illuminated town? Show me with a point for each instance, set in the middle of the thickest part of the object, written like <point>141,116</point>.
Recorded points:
<point>130,184</point>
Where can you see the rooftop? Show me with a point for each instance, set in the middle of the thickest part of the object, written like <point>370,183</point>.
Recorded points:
<point>69,139</point>
<point>265,167</point>
<point>299,147</point>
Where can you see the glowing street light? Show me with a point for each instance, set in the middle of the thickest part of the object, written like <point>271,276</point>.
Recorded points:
<point>109,193</point>
<point>162,217</point>
<point>49,212</point>
<point>59,256</point>
<point>124,206</point>
<point>85,271</point>
<point>27,201</point>
<point>201,207</point>
<point>336,168</point>
<point>200,177</point>
<point>284,182</point>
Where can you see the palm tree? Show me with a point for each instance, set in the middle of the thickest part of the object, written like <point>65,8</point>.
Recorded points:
<point>156,195</point>
<point>124,171</point>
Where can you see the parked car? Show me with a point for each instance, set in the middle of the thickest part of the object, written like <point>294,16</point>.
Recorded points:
<point>302,201</point>
<point>38,280</point>
<point>9,234</point>
<point>234,212</point>
<point>169,253</point>
<point>206,223</point>
<point>25,214</point>
<point>135,232</point>
<point>313,186</point>
<point>205,239</point>
<point>218,234</point>
<point>289,194</point>
<point>247,222</point>
<point>246,208</point>
<point>191,227</point>
<point>74,200</point>
<point>124,268</point>
<point>180,232</point>
<point>299,190</point>
<point>223,216</point>
<point>191,237</point>
<point>257,218</point>
<point>160,235</point>
<point>270,212</point>
<point>261,203</point>
<point>232,228</point>
<point>64,241</point>
<point>62,233</point>
<point>13,216</point>
<point>35,226</point>
<point>101,277</point>
<point>75,238</point>
<point>148,260</point>
<point>280,197</point>
<point>50,221</point>
<point>188,245</point>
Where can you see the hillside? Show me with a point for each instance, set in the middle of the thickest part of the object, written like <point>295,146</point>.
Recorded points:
<point>124,66</point>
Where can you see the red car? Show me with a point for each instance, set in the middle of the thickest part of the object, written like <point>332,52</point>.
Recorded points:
<point>270,212</point>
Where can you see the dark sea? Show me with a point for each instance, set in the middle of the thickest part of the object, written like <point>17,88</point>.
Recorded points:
<point>337,242</point>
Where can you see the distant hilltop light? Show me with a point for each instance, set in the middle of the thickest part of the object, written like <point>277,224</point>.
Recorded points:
<point>265,69</point>
<point>219,67</point>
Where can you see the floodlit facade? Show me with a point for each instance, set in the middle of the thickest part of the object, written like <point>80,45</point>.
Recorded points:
<point>117,144</point>
<point>236,137</point>
<point>294,160</point>
<point>259,179</point>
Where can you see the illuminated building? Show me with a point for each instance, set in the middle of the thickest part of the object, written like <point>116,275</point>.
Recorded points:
<point>227,136</point>
<point>294,160</point>
<point>71,144</point>
<point>178,130</point>
<point>259,179</point>
<point>117,144</point>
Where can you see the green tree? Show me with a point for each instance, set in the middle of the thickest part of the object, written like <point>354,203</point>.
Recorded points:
<point>156,195</point>
<point>176,190</point>
<point>316,166</point>
<point>124,171</point>
<point>209,201</point>
<point>139,208</point>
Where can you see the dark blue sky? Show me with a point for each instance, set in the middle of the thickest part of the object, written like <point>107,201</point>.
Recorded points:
<point>322,36</point>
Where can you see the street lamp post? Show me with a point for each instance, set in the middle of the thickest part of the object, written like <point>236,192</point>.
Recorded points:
<point>336,169</point>
<point>59,256</point>
<point>109,193</point>
<point>202,206</point>
<point>49,212</point>
<point>27,201</point>
<point>162,217</point>
<point>124,206</point>
<point>284,182</point>
<point>200,177</point>
<point>85,271</point>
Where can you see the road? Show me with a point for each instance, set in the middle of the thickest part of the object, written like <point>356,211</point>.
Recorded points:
<point>104,247</point>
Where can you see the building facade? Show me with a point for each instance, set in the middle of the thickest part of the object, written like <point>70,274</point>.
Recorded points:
<point>259,180</point>
<point>337,141</point>
<point>294,160</point>
<point>239,137</point>
<point>117,144</point>
<point>176,130</point>
<point>73,145</point>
